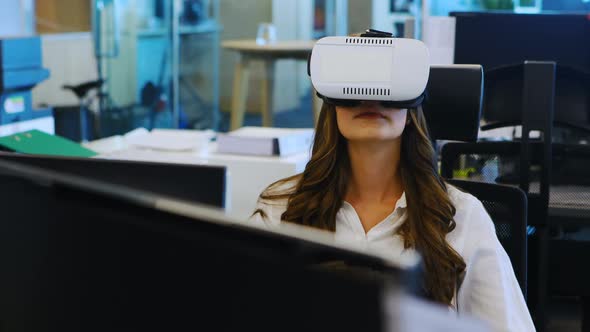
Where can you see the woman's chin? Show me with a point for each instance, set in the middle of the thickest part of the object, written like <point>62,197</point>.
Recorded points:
<point>372,135</point>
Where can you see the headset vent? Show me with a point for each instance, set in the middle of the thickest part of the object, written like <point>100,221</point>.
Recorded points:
<point>366,91</point>
<point>370,41</point>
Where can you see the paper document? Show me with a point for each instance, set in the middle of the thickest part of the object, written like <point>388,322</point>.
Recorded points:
<point>439,36</point>
<point>266,141</point>
<point>169,139</point>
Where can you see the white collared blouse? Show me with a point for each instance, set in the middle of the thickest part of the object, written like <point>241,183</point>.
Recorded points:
<point>489,290</point>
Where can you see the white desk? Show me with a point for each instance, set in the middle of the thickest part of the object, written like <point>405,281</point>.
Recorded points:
<point>45,124</point>
<point>248,175</point>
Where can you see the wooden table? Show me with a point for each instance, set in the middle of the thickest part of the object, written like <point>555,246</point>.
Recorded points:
<point>249,51</point>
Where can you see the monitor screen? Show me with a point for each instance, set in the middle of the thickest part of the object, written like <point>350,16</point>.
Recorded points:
<point>500,39</point>
<point>79,254</point>
<point>195,183</point>
<point>501,42</point>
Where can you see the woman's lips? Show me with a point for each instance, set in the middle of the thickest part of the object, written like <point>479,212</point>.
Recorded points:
<point>371,115</point>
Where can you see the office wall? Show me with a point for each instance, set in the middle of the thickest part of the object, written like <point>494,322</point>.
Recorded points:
<point>240,19</point>
<point>365,14</point>
<point>70,59</point>
<point>294,21</point>
<point>359,15</point>
<point>16,17</point>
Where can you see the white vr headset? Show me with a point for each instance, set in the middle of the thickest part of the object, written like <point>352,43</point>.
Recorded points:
<point>375,66</point>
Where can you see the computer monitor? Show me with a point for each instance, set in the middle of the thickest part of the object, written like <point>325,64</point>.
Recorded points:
<point>78,254</point>
<point>203,184</point>
<point>502,42</point>
<point>495,39</point>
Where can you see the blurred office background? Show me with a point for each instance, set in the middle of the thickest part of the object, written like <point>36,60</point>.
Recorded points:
<point>118,65</point>
<point>162,63</point>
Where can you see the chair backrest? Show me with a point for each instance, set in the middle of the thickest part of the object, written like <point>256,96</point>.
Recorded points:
<point>507,206</point>
<point>498,162</point>
<point>453,102</point>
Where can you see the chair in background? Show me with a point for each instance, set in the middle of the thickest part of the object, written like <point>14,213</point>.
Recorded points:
<point>507,206</point>
<point>569,212</point>
<point>524,163</point>
<point>453,114</point>
<point>85,100</point>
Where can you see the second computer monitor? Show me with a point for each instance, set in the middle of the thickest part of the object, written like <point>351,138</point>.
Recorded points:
<point>502,42</point>
<point>202,184</point>
<point>80,255</point>
<point>501,39</point>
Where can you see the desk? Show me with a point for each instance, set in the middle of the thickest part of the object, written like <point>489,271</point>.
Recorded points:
<point>249,51</point>
<point>248,175</point>
<point>45,124</point>
<point>570,202</point>
<point>567,203</point>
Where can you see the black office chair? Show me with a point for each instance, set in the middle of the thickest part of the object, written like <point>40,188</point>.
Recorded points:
<point>568,207</point>
<point>569,211</point>
<point>507,206</point>
<point>453,102</point>
<point>453,114</point>
<point>525,163</point>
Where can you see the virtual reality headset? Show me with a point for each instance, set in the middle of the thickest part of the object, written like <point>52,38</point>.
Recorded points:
<point>375,66</point>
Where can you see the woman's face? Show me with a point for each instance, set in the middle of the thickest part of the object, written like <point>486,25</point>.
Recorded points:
<point>371,122</point>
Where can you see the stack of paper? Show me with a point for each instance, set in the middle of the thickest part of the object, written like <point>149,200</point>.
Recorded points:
<point>265,141</point>
<point>169,139</point>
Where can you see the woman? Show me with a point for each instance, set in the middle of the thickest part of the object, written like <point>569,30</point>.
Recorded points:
<point>372,178</point>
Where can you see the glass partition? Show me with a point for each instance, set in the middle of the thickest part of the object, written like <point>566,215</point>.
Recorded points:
<point>160,63</point>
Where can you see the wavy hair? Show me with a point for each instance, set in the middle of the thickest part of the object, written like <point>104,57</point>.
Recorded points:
<point>318,194</point>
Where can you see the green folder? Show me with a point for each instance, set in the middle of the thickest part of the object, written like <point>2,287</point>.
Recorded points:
<point>38,142</point>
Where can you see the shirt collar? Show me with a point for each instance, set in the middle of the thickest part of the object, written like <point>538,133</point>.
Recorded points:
<point>347,215</point>
<point>401,202</point>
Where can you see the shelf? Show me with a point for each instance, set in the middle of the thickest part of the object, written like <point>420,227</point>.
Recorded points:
<point>400,17</point>
<point>205,27</point>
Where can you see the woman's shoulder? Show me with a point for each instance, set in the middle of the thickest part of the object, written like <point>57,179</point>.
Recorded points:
<point>273,201</point>
<point>469,211</point>
<point>280,190</point>
<point>474,229</point>
<point>460,198</point>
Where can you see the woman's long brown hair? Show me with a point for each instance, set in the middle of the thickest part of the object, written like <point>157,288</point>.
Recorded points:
<point>319,192</point>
